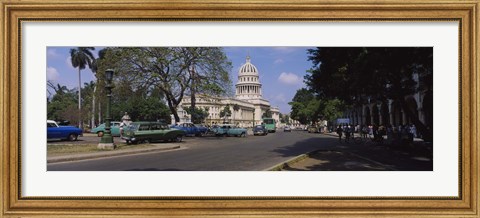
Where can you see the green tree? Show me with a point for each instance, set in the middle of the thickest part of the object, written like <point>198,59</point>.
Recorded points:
<point>96,90</point>
<point>330,109</point>
<point>88,91</point>
<point>172,70</point>
<point>360,75</point>
<point>226,112</point>
<point>198,115</point>
<point>236,107</point>
<point>62,99</point>
<point>208,71</point>
<point>80,58</point>
<point>304,106</point>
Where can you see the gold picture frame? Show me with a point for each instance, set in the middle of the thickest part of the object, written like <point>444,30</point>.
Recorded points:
<point>14,12</point>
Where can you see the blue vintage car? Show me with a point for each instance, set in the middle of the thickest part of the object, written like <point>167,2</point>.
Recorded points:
<point>54,131</point>
<point>260,130</point>
<point>191,129</point>
<point>229,130</point>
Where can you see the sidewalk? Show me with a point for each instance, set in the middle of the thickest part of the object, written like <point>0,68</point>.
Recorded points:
<point>113,153</point>
<point>342,156</point>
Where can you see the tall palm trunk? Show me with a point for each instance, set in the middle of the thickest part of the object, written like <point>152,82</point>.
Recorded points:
<point>80,123</point>
<point>92,125</point>
<point>99,112</point>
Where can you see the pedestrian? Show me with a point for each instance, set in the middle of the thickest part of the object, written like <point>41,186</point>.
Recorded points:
<point>413,130</point>
<point>364,131</point>
<point>122,125</point>
<point>126,119</point>
<point>348,132</point>
<point>340,133</point>
<point>390,133</point>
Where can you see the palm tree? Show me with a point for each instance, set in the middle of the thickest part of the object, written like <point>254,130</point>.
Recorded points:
<point>81,57</point>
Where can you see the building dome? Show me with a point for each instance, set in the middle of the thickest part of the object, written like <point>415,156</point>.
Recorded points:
<point>248,86</point>
<point>248,68</point>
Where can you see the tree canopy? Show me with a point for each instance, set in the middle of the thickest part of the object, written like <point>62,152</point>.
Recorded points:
<point>360,75</point>
<point>175,71</point>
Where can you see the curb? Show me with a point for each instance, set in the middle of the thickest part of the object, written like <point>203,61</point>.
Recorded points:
<point>107,154</point>
<point>281,166</point>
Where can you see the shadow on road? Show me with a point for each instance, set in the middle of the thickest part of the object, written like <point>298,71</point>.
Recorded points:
<point>327,153</point>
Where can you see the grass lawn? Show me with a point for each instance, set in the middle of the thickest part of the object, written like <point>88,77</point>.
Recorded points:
<point>54,150</point>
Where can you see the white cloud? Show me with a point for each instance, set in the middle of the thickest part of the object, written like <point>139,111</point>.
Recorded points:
<point>278,61</point>
<point>52,74</point>
<point>68,62</point>
<point>280,98</point>
<point>285,50</point>
<point>52,53</point>
<point>289,79</point>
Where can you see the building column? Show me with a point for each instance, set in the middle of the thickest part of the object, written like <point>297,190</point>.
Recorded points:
<point>421,115</point>
<point>390,112</point>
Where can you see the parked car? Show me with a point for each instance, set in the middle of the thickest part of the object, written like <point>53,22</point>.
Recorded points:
<point>312,129</point>
<point>260,130</point>
<point>287,129</point>
<point>114,129</point>
<point>151,131</point>
<point>229,130</point>
<point>191,129</point>
<point>54,131</point>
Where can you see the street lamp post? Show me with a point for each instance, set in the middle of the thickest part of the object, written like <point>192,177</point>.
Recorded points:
<point>106,142</point>
<point>253,120</point>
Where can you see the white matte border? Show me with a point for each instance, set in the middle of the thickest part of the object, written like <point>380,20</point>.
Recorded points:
<point>37,36</point>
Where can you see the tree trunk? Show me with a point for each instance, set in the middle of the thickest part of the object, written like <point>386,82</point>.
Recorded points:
<point>80,122</point>
<point>99,112</point>
<point>173,108</point>
<point>192,98</point>
<point>93,107</point>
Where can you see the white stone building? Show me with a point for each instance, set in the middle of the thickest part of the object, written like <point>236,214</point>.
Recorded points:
<point>248,96</point>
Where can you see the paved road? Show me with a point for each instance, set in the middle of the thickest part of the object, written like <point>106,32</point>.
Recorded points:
<point>212,154</point>
<point>255,153</point>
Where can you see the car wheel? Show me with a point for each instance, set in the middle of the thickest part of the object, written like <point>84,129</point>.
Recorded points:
<point>100,134</point>
<point>72,137</point>
<point>178,138</point>
<point>243,134</point>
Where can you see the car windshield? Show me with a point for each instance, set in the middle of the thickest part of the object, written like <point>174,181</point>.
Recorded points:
<point>258,127</point>
<point>268,121</point>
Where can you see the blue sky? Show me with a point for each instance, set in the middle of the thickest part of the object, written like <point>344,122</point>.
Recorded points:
<point>281,70</point>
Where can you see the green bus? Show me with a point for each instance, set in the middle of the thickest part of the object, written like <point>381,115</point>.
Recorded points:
<point>269,124</point>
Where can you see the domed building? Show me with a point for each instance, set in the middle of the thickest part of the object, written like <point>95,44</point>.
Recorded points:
<point>248,98</point>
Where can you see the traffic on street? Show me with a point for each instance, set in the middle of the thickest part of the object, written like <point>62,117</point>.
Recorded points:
<point>254,153</point>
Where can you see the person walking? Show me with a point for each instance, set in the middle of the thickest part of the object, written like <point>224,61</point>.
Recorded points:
<point>340,133</point>
<point>364,131</point>
<point>348,131</point>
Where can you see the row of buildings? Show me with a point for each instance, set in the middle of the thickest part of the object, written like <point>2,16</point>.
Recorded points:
<point>390,112</point>
<point>252,105</point>
<point>248,97</point>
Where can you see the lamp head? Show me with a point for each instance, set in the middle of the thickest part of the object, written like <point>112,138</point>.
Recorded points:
<point>109,75</point>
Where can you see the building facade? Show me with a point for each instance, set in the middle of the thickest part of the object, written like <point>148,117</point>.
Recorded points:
<point>248,97</point>
<point>390,112</point>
